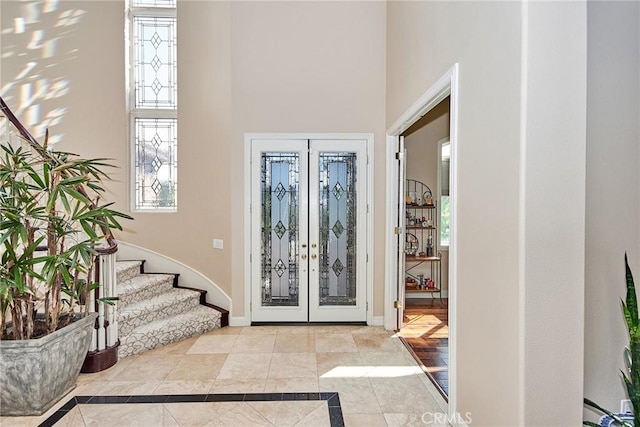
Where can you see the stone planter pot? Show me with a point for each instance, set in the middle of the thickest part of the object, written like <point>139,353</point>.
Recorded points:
<point>35,374</point>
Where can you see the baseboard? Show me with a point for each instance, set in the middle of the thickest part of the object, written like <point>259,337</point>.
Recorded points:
<point>239,321</point>
<point>378,321</point>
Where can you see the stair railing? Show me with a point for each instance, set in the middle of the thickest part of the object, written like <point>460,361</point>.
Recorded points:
<point>105,336</point>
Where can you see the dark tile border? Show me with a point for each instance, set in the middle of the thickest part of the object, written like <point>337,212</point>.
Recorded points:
<point>332,399</point>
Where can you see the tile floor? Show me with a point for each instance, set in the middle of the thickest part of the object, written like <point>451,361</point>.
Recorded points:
<point>378,382</point>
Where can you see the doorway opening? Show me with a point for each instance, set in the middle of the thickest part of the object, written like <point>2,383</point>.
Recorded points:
<point>396,238</point>
<point>425,322</point>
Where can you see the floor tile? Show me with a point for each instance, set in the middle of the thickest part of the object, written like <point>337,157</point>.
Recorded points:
<point>149,368</point>
<point>356,394</point>
<point>240,365</point>
<point>183,387</point>
<point>213,344</point>
<point>105,388</point>
<point>403,395</point>
<point>338,342</point>
<point>197,367</point>
<point>339,365</point>
<point>198,414</point>
<point>368,420</point>
<point>377,342</point>
<point>140,414</point>
<point>72,419</point>
<point>238,385</point>
<point>318,418</point>
<point>286,413</point>
<point>254,344</point>
<point>291,385</point>
<point>240,414</point>
<point>293,365</point>
<point>295,343</point>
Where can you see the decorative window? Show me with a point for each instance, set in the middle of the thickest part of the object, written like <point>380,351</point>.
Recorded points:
<point>153,104</point>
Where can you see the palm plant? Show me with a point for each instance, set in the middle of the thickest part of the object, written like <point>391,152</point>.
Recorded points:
<point>51,225</point>
<point>632,354</point>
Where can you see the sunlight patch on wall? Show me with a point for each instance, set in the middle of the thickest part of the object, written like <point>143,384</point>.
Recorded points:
<point>30,40</point>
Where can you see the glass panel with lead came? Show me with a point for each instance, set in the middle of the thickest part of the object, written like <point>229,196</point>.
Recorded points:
<point>280,234</point>
<point>337,205</point>
<point>155,82</point>
<point>156,163</point>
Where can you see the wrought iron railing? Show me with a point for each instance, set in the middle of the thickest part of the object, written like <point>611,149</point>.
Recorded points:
<point>105,336</point>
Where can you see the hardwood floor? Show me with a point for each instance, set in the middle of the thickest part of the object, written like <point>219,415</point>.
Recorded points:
<point>426,333</point>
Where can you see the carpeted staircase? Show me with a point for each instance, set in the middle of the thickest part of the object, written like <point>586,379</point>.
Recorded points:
<point>154,311</point>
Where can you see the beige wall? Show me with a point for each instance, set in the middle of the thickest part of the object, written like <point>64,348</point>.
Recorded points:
<point>242,67</point>
<point>508,266</point>
<point>308,67</point>
<point>89,60</point>
<point>613,191</point>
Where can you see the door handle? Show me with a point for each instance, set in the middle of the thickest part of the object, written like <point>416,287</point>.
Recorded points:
<point>303,256</point>
<point>314,256</point>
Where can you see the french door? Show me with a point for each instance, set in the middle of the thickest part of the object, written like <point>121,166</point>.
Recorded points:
<point>308,230</point>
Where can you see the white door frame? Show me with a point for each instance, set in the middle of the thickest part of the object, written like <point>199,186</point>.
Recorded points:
<point>246,201</point>
<point>447,85</point>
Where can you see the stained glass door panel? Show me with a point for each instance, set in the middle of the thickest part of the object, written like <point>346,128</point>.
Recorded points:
<point>337,230</point>
<point>279,230</point>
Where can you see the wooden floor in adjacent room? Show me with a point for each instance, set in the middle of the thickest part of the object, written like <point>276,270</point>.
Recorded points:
<point>426,332</point>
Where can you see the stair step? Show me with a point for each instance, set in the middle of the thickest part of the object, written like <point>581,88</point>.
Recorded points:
<point>171,303</point>
<point>127,270</point>
<point>143,286</point>
<point>161,332</point>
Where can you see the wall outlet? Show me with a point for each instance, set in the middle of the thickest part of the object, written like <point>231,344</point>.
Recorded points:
<point>218,244</point>
<point>626,407</point>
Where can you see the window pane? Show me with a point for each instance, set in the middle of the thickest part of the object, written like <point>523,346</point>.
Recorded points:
<point>444,220</point>
<point>155,62</point>
<point>156,163</point>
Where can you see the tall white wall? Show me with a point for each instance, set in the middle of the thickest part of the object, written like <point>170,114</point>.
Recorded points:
<point>553,212</point>
<point>613,191</point>
<point>505,308</point>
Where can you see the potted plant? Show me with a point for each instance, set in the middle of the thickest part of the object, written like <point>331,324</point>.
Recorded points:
<point>51,227</point>
<point>632,358</point>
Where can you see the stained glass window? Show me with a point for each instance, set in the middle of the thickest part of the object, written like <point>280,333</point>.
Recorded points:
<point>155,163</point>
<point>154,3</point>
<point>153,89</point>
<point>154,62</point>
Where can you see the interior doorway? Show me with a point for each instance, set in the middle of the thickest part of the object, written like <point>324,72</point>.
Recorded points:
<point>446,86</point>
<point>308,230</point>
<point>425,321</point>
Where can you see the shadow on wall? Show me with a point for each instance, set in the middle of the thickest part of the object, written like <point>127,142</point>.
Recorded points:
<point>30,35</point>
